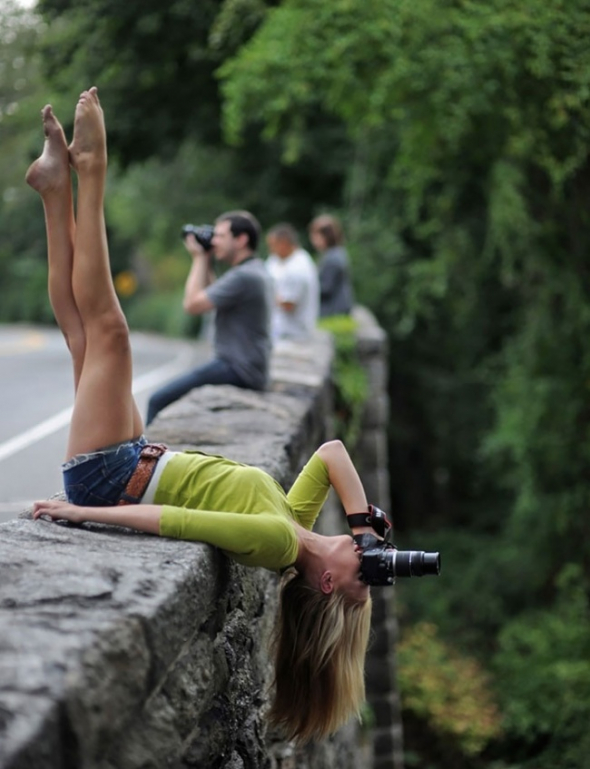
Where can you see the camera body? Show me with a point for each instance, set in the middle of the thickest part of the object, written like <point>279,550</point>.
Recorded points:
<point>203,234</point>
<point>382,562</point>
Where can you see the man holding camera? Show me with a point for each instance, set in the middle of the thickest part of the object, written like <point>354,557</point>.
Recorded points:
<point>242,300</point>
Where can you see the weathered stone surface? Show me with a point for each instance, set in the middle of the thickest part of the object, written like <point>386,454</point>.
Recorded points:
<point>376,411</point>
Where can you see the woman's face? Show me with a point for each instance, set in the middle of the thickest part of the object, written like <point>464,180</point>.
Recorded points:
<point>318,241</point>
<point>343,563</point>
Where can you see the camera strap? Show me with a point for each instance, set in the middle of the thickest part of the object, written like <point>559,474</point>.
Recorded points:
<point>375,518</point>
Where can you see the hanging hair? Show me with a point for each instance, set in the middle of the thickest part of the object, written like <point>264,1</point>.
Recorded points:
<point>330,228</point>
<point>319,644</point>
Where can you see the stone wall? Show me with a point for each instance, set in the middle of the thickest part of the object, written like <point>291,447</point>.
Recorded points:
<point>370,456</point>
<point>127,651</point>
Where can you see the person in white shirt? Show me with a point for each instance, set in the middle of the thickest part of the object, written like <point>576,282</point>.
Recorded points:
<point>296,285</point>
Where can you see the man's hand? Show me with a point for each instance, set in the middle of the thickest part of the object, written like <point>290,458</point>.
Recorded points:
<point>286,306</point>
<point>196,301</point>
<point>193,246</point>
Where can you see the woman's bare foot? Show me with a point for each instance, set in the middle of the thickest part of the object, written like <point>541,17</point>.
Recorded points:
<point>51,171</point>
<point>88,150</point>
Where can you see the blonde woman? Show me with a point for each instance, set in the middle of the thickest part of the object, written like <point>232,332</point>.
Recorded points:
<point>112,476</point>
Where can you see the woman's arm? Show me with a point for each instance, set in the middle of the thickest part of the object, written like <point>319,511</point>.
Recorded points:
<point>263,539</point>
<point>140,517</point>
<point>345,480</point>
<point>343,476</point>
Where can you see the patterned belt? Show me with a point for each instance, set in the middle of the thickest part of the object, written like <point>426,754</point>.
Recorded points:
<point>138,483</point>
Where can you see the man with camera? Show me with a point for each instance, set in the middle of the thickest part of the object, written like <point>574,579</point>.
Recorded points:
<point>242,300</point>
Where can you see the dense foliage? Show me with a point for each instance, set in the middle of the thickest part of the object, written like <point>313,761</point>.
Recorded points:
<point>452,137</point>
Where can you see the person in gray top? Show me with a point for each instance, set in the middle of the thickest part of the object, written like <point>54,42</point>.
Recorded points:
<point>336,293</point>
<point>242,300</point>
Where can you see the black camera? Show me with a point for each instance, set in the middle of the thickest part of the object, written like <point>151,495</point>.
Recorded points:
<point>203,234</point>
<point>382,562</point>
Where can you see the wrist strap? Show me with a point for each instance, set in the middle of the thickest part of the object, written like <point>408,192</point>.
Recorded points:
<point>374,517</point>
<point>359,519</point>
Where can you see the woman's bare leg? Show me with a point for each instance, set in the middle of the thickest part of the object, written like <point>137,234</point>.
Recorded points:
<point>104,409</point>
<point>50,175</point>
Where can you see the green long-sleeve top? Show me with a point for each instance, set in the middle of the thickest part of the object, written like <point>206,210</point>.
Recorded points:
<point>239,508</point>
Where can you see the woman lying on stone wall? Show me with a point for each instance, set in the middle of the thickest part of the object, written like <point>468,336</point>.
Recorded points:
<point>112,476</point>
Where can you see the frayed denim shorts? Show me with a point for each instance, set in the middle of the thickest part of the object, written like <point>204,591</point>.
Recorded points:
<point>98,479</point>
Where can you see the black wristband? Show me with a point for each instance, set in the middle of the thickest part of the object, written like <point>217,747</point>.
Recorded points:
<point>359,519</point>
<point>374,518</point>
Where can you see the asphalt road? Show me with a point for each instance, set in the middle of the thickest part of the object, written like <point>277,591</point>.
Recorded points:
<point>36,396</point>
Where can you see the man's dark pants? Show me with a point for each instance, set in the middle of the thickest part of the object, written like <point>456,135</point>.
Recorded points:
<point>216,372</point>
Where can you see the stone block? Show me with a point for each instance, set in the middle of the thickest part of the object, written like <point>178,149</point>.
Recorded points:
<point>372,449</point>
<point>376,412</point>
<point>377,376</point>
<point>385,709</point>
<point>384,743</point>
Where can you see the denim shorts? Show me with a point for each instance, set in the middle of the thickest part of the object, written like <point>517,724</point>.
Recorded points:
<point>98,479</point>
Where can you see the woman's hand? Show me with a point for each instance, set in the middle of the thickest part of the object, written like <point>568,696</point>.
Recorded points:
<point>138,517</point>
<point>58,509</point>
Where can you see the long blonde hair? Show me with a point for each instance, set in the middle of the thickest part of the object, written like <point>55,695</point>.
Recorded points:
<point>320,642</point>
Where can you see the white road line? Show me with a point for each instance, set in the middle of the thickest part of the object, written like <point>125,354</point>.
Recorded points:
<point>32,340</point>
<point>62,418</point>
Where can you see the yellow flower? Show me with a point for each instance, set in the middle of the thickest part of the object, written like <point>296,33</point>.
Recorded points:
<point>125,283</point>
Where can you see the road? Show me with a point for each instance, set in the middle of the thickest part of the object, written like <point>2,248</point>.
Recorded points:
<point>36,396</point>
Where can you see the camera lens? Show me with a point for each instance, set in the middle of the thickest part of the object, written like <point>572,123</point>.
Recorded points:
<point>415,563</point>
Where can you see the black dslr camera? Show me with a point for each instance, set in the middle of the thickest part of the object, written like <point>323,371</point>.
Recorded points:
<point>382,562</point>
<point>203,234</point>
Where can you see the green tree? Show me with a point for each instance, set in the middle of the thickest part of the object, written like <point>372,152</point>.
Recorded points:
<point>22,236</point>
<point>151,62</point>
<point>543,663</point>
<point>469,223</point>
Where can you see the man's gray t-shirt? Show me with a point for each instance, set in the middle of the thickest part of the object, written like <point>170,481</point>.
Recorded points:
<point>243,300</point>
